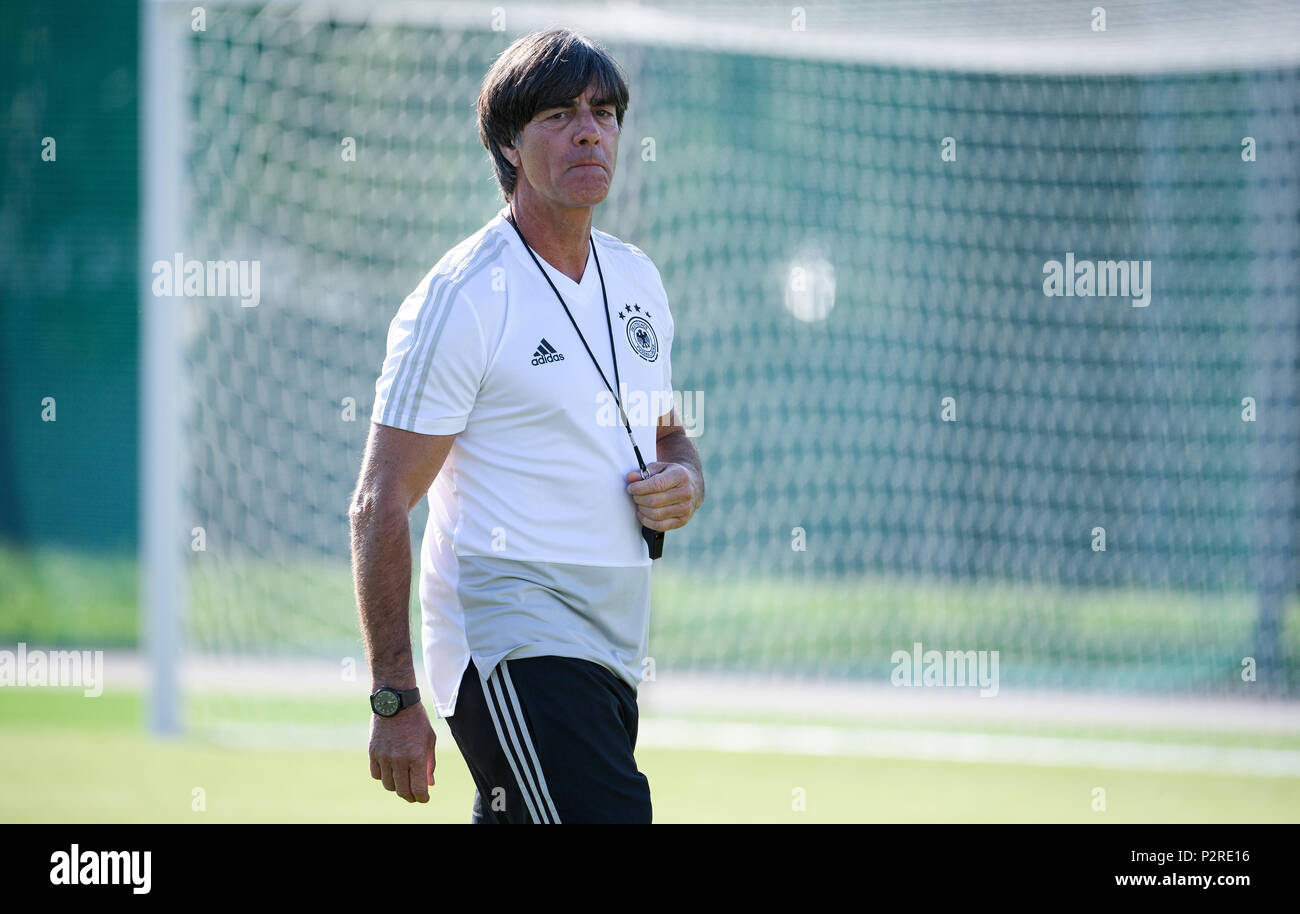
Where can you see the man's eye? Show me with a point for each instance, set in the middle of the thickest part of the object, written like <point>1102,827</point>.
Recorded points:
<point>604,112</point>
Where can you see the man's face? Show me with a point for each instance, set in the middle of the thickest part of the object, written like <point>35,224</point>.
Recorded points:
<point>559,145</point>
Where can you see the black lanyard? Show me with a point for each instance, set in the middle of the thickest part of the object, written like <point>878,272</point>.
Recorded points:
<point>654,538</point>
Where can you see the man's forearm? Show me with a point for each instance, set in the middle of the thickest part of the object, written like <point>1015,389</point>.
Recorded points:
<point>381,576</point>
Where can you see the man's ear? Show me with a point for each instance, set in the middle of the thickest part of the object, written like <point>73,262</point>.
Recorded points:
<point>512,153</point>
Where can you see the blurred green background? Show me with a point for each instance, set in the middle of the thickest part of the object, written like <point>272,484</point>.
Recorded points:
<point>68,242</point>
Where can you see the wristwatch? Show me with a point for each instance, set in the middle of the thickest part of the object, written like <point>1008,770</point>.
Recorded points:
<point>386,702</point>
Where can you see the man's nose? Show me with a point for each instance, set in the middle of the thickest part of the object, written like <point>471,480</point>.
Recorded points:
<point>587,129</point>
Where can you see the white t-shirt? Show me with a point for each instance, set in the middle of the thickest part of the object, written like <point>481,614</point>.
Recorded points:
<point>532,546</point>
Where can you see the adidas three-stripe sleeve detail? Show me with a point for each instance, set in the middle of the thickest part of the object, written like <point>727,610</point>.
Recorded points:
<point>437,355</point>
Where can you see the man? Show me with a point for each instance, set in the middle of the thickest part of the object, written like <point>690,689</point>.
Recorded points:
<point>514,393</point>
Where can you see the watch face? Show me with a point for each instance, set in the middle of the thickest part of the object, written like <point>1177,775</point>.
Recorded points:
<point>386,703</point>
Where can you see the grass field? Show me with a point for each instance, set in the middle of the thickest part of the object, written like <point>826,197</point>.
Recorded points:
<point>64,758</point>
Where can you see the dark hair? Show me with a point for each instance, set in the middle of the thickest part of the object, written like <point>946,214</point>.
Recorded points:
<point>539,71</point>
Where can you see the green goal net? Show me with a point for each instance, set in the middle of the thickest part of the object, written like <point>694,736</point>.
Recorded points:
<point>907,439</point>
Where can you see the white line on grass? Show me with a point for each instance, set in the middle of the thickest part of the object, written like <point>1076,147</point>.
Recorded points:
<point>863,710</point>
<point>848,742</point>
<point>936,746</point>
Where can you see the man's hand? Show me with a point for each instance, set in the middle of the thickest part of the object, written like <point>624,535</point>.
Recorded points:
<point>668,498</point>
<point>401,752</point>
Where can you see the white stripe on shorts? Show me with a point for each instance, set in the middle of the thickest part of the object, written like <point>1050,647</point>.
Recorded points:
<point>528,742</point>
<point>508,720</point>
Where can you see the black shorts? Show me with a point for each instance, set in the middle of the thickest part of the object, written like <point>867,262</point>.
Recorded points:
<point>550,740</point>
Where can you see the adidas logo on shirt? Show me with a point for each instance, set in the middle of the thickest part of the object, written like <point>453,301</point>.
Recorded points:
<point>546,353</point>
